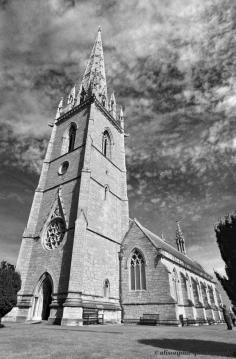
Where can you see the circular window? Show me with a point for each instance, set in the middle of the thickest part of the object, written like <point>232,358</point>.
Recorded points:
<point>54,233</point>
<point>63,168</point>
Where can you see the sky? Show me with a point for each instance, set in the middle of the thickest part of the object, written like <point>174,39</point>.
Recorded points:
<point>172,65</point>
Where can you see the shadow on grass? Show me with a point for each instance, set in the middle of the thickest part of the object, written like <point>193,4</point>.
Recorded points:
<point>192,346</point>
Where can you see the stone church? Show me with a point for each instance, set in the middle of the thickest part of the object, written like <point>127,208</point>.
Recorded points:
<point>80,251</point>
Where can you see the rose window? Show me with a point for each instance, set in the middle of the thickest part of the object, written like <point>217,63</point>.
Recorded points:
<point>55,233</point>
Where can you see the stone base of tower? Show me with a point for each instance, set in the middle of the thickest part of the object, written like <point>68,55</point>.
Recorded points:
<point>16,315</point>
<point>80,311</point>
<point>72,316</point>
<point>111,316</point>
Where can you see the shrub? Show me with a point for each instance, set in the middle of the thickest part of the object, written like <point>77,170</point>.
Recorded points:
<point>10,283</point>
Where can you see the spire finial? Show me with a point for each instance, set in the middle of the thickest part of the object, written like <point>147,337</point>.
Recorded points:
<point>99,28</point>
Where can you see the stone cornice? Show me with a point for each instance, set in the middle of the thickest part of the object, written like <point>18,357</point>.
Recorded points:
<point>75,110</point>
<point>90,100</point>
<point>108,115</point>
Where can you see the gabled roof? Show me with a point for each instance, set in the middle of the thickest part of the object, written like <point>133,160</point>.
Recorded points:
<point>161,244</point>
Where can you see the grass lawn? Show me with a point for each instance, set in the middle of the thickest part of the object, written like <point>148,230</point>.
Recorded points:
<point>43,341</point>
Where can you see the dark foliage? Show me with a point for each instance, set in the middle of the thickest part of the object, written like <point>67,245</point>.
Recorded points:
<point>10,284</point>
<point>226,239</point>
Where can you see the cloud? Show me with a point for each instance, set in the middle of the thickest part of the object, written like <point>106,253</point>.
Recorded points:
<point>171,65</point>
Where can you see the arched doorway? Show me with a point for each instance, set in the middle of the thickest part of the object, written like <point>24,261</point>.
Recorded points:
<point>42,298</point>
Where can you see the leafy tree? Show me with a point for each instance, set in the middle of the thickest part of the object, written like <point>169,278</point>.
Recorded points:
<point>10,283</point>
<point>226,239</point>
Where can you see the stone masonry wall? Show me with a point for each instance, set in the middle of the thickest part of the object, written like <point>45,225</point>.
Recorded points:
<point>56,262</point>
<point>101,262</point>
<point>156,298</point>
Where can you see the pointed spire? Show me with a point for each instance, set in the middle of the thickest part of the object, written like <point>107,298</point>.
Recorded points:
<point>121,116</point>
<point>112,105</point>
<point>94,76</point>
<point>59,108</point>
<point>180,239</point>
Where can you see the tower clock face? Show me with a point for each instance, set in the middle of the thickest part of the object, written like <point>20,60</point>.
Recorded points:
<point>54,233</point>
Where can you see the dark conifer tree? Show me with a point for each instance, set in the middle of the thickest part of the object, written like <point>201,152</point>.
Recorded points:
<point>10,284</point>
<point>226,239</point>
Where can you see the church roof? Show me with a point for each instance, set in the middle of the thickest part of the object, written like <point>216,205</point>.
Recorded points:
<point>161,244</point>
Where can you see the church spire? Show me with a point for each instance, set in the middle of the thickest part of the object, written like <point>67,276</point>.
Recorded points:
<point>94,79</point>
<point>180,239</point>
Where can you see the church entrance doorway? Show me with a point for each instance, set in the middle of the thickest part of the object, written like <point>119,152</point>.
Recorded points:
<point>42,298</point>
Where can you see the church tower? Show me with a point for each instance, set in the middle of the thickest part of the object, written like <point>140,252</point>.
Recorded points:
<point>68,259</point>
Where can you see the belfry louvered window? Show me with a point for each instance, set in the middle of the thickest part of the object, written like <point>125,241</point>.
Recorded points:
<point>137,271</point>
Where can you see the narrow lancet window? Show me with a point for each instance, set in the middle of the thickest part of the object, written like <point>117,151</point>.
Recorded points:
<point>106,288</point>
<point>106,190</point>
<point>106,144</point>
<point>72,133</point>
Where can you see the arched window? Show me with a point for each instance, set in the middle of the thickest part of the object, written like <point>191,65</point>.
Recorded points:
<point>184,288</point>
<point>106,144</point>
<point>106,288</point>
<point>68,139</point>
<point>137,271</point>
<point>195,291</point>
<point>106,191</point>
<point>175,285</point>
<point>72,133</point>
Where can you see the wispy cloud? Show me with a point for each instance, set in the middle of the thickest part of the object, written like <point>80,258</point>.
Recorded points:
<point>172,65</point>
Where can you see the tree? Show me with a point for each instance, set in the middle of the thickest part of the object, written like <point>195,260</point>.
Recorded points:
<point>226,239</point>
<point>10,283</point>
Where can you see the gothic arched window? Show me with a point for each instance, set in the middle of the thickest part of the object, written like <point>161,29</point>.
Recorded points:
<point>106,289</point>
<point>137,271</point>
<point>106,144</point>
<point>175,285</point>
<point>72,133</point>
<point>106,191</point>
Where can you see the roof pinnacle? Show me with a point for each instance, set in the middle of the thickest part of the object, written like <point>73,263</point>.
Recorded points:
<point>180,239</point>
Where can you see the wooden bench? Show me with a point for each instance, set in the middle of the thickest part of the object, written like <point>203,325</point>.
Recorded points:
<point>149,319</point>
<point>211,321</point>
<point>91,316</point>
<point>190,321</point>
